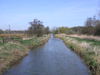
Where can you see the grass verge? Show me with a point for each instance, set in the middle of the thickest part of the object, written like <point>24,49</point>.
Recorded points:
<point>12,52</point>
<point>86,48</point>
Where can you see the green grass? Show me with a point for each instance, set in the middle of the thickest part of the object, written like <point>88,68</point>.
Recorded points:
<point>31,42</point>
<point>26,42</point>
<point>12,38</point>
<point>1,42</point>
<point>16,38</point>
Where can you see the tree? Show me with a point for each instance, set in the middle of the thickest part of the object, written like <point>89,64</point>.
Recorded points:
<point>77,29</point>
<point>1,31</point>
<point>36,28</point>
<point>97,28</point>
<point>89,22</point>
<point>89,26</point>
<point>47,31</point>
<point>65,30</point>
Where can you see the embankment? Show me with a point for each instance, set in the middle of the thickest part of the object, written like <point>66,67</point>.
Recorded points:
<point>89,50</point>
<point>12,52</point>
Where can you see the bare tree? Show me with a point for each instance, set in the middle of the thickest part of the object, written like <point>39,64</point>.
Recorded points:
<point>37,28</point>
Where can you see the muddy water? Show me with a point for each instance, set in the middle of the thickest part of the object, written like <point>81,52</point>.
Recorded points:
<point>54,58</point>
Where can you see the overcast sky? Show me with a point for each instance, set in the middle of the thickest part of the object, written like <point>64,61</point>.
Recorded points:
<point>54,13</point>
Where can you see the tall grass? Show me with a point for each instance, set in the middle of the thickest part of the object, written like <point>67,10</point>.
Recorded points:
<point>89,52</point>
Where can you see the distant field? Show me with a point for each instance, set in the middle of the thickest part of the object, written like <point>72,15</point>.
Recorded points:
<point>4,38</point>
<point>13,35</point>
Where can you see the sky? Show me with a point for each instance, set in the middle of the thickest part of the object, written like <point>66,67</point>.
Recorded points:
<point>53,13</point>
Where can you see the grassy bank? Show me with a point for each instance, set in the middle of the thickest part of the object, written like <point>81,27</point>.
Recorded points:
<point>12,52</point>
<point>88,49</point>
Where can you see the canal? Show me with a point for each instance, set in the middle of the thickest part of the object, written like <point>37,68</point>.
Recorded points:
<point>54,58</point>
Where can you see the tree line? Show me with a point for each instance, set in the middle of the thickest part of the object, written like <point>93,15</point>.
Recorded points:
<point>91,27</point>
<point>36,28</point>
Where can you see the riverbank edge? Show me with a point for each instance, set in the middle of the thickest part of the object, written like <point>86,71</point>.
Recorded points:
<point>14,61</point>
<point>93,68</point>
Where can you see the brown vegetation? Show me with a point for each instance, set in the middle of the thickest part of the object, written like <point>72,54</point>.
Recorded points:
<point>13,35</point>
